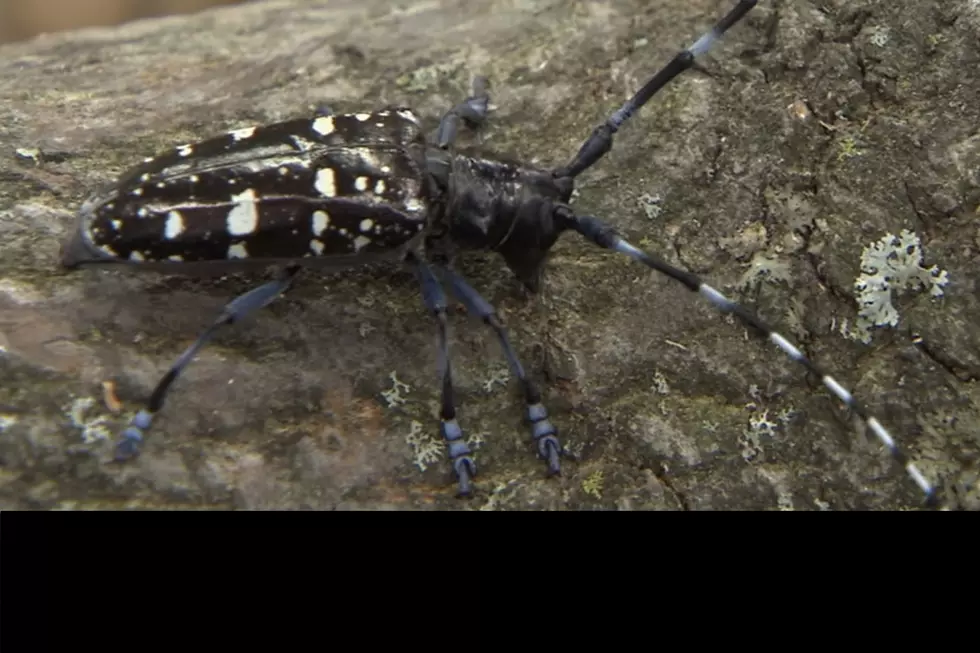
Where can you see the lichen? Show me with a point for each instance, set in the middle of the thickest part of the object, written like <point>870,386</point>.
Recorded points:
<point>893,263</point>
<point>760,426</point>
<point>426,450</point>
<point>93,429</point>
<point>393,397</point>
<point>499,376</point>
<point>592,485</point>
<point>847,148</point>
<point>879,36</point>
<point>652,205</point>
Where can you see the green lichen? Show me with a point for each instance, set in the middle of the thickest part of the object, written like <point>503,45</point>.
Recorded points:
<point>592,485</point>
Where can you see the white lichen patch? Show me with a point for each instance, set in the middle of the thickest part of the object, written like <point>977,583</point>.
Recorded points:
<point>652,205</point>
<point>393,397</point>
<point>499,376</point>
<point>750,441</point>
<point>660,385</point>
<point>573,448</point>
<point>893,263</point>
<point>879,35</point>
<point>762,424</point>
<point>786,415</point>
<point>426,449</point>
<point>93,429</point>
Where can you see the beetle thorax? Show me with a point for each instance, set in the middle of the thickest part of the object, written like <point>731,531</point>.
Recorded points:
<point>504,207</point>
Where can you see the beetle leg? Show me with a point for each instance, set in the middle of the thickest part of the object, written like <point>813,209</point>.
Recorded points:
<point>132,437</point>
<point>472,111</point>
<point>542,430</point>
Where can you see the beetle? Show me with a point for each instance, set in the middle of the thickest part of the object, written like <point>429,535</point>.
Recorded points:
<point>348,189</point>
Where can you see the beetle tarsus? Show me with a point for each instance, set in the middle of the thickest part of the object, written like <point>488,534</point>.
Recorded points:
<point>465,470</point>
<point>128,446</point>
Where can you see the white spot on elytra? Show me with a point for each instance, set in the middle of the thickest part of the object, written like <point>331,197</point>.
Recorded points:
<point>361,183</point>
<point>363,117</point>
<point>194,179</point>
<point>244,216</point>
<point>325,182</point>
<point>237,251</point>
<point>136,256</point>
<point>366,224</point>
<point>302,144</point>
<point>368,158</point>
<point>116,224</point>
<point>175,225</point>
<point>185,150</point>
<point>409,116</point>
<point>243,133</point>
<point>379,187</point>
<point>316,246</point>
<point>360,242</point>
<point>137,192</point>
<point>412,204</point>
<point>323,125</point>
<point>320,221</point>
<point>175,257</point>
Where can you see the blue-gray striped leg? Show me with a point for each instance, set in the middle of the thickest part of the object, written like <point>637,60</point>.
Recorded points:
<point>600,141</point>
<point>605,236</point>
<point>128,445</point>
<point>472,111</point>
<point>459,451</point>
<point>542,430</point>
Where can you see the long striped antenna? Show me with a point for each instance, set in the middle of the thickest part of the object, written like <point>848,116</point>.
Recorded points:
<point>600,141</point>
<point>603,235</point>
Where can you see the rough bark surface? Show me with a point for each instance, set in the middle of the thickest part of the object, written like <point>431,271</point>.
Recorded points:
<point>658,398</point>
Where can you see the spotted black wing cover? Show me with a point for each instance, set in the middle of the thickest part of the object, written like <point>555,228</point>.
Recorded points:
<point>334,185</point>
